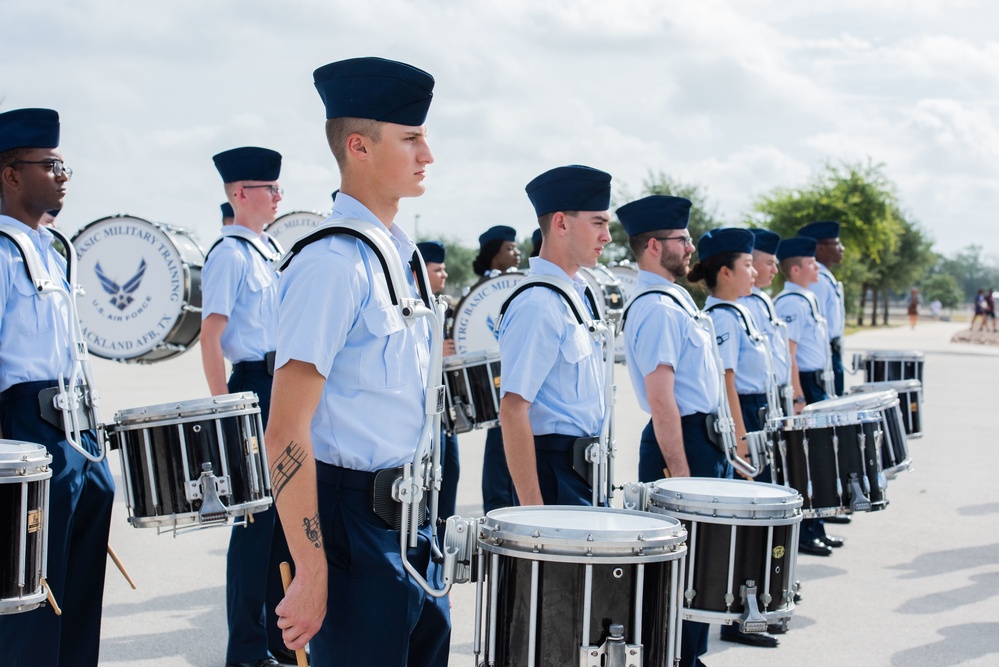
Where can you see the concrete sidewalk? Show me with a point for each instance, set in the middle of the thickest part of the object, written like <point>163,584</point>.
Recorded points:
<point>917,585</point>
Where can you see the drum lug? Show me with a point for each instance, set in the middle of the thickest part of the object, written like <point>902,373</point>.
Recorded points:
<point>614,652</point>
<point>636,496</point>
<point>460,538</point>
<point>751,621</point>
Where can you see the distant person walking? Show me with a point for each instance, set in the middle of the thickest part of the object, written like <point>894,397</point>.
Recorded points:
<point>935,307</point>
<point>979,309</point>
<point>990,312</point>
<point>913,309</point>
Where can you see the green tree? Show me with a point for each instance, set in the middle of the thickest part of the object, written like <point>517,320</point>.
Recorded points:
<point>863,199</point>
<point>901,268</point>
<point>944,287</point>
<point>971,269</point>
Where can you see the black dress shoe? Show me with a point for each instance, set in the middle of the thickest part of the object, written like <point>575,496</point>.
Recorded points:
<point>839,518</point>
<point>287,656</point>
<point>830,541</point>
<point>814,547</point>
<point>266,662</point>
<point>761,639</point>
<point>777,628</point>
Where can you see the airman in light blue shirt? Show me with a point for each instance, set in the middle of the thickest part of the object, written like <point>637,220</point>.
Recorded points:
<point>739,352</point>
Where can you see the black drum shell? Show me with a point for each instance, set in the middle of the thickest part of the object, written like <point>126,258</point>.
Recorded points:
<point>475,384</point>
<point>13,515</point>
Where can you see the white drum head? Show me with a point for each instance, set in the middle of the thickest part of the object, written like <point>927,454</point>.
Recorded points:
<point>135,280</point>
<point>724,498</point>
<point>627,275</point>
<point>193,410</point>
<point>290,227</point>
<point>873,400</point>
<point>16,455</point>
<point>477,312</point>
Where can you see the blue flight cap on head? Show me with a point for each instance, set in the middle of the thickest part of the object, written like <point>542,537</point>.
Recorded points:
<point>821,229</point>
<point>29,128</point>
<point>766,240</point>
<point>725,239</point>
<point>227,211</point>
<point>655,212</point>
<point>375,88</point>
<point>500,232</point>
<point>572,188</point>
<point>432,251</point>
<point>248,163</point>
<point>537,237</point>
<point>799,246</point>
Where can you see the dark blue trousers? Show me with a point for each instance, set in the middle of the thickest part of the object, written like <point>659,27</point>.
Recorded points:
<point>814,392</point>
<point>451,470</point>
<point>704,460</point>
<point>837,364</point>
<point>560,483</point>
<point>253,579</point>
<point>497,485</point>
<point>376,613</point>
<point>753,407</point>
<point>81,495</point>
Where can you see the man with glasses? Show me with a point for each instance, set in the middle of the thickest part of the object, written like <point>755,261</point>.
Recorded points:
<point>671,362</point>
<point>828,290</point>
<point>239,320</point>
<point>34,329</point>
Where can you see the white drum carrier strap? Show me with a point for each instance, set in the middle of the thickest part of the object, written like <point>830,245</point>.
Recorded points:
<point>769,305</point>
<point>271,252</point>
<point>568,292</point>
<point>668,290</point>
<point>744,316</point>
<point>813,303</point>
<point>33,265</point>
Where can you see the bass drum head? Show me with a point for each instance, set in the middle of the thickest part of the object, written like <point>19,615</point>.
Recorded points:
<point>476,314</point>
<point>290,227</point>
<point>139,278</point>
<point>626,274</point>
<point>606,288</point>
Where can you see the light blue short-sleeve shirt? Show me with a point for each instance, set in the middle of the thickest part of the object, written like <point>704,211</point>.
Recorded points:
<point>658,332</point>
<point>803,329</point>
<point>739,353</point>
<point>777,335</point>
<point>551,360</point>
<point>34,329</point>
<point>238,283</point>
<point>334,312</point>
<point>826,291</point>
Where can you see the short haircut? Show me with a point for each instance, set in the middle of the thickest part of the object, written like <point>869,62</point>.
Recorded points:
<point>8,158</point>
<point>545,221</point>
<point>787,264</point>
<point>639,242</point>
<point>338,129</point>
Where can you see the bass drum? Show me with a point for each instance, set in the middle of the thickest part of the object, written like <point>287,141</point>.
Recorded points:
<point>475,316</point>
<point>290,227</point>
<point>142,282</point>
<point>605,284</point>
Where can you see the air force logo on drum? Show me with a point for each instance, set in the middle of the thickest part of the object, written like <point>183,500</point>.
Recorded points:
<point>121,295</point>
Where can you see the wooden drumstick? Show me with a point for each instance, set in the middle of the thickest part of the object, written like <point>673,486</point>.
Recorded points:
<point>51,598</point>
<point>286,581</point>
<point>121,567</point>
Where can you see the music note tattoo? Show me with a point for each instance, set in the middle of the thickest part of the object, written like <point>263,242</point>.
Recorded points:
<point>312,531</point>
<point>285,467</point>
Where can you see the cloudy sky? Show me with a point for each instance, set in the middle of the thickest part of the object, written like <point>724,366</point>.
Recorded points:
<point>739,97</point>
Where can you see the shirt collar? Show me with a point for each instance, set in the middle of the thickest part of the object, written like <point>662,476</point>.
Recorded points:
<point>544,267</point>
<point>42,237</point>
<point>346,206</point>
<point>650,278</point>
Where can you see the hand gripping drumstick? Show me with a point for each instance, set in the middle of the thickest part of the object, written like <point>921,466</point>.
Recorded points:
<point>121,567</point>
<point>286,582</point>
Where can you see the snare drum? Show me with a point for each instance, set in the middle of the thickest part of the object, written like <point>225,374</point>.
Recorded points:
<point>24,524</point>
<point>889,365</point>
<point>474,321</point>
<point>832,459</point>
<point>742,540</point>
<point>288,228</point>
<point>910,401</point>
<point>194,462</point>
<point>143,289</point>
<point>605,284</point>
<point>560,578</point>
<point>895,452</point>
<point>472,381</point>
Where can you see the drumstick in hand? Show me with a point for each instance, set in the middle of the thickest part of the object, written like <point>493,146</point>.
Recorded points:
<point>286,582</point>
<point>121,567</point>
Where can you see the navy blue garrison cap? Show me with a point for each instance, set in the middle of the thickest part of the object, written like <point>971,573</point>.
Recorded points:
<point>500,232</point>
<point>248,163</point>
<point>655,212</point>
<point>537,238</point>
<point>821,229</point>
<point>29,128</point>
<point>571,188</point>
<point>375,88</point>
<point>432,251</point>
<point>227,211</point>
<point>799,246</point>
<point>766,240</point>
<point>725,239</point>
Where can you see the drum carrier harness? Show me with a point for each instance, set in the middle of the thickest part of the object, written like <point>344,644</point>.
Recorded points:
<point>826,374</point>
<point>72,406</point>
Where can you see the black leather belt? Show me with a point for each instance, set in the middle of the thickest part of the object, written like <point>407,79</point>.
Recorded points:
<point>574,445</point>
<point>265,365</point>
<point>378,484</point>
<point>46,391</point>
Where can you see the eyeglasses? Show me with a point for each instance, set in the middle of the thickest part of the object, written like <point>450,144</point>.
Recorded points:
<point>686,240</point>
<point>57,167</point>
<point>274,190</point>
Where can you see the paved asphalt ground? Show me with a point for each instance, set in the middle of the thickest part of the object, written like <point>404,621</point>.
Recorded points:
<point>916,585</point>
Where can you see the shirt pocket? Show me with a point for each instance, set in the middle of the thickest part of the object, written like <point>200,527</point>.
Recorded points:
<point>34,312</point>
<point>579,368</point>
<point>381,358</point>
